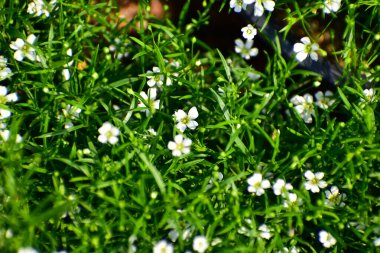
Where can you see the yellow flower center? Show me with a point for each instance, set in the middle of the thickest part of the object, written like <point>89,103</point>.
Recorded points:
<point>185,120</point>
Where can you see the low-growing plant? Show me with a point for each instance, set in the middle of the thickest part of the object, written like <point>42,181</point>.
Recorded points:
<point>140,136</point>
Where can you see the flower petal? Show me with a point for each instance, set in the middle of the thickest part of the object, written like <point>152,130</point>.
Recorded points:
<point>306,40</point>
<point>301,56</point>
<point>193,113</point>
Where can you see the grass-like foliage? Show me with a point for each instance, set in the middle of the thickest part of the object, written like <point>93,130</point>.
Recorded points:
<point>138,136</point>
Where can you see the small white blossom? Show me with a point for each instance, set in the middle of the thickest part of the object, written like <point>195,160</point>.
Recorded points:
<point>324,101</point>
<point>200,243</point>
<point>257,185</point>
<point>24,49</point>
<point>314,181</point>
<point>264,232</point>
<point>249,32</point>
<point>260,5</point>
<point>369,95</point>
<point>326,239</point>
<point>152,131</point>
<point>27,250</point>
<point>280,187</point>
<point>163,247</point>
<point>5,97</point>
<point>238,5</point>
<point>376,242</point>
<point>180,145</point>
<point>108,133</point>
<point>4,70</point>
<point>331,6</point>
<point>5,134</point>
<point>292,201</point>
<point>245,49</point>
<point>304,106</point>
<point>66,74</point>
<point>38,8</point>
<point>333,197</point>
<point>4,113</point>
<point>150,101</point>
<point>71,112</point>
<point>186,120</point>
<point>156,78</point>
<point>306,48</point>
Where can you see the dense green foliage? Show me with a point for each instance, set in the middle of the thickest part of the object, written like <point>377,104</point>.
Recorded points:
<point>62,188</point>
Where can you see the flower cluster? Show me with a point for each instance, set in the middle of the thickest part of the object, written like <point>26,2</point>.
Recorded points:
<point>4,70</point>
<point>38,8</point>
<point>304,105</point>
<point>259,5</point>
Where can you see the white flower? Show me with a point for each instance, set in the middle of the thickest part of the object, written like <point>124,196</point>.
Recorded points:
<point>245,49</point>
<point>4,113</point>
<point>376,242</point>
<point>324,101</point>
<point>5,134</point>
<point>61,251</point>
<point>281,187</point>
<point>333,197</point>
<point>150,101</point>
<point>71,112</point>
<point>238,5</point>
<point>152,131</point>
<point>4,71</point>
<point>331,6</point>
<point>369,95</point>
<point>66,74</point>
<point>163,247</point>
<point>249,32</point>
<point>260,5</point>
<point>200,243</point>
<point>257,185</point>
<point>108,133</point>
<point>314,181</point>
<point>24,49</point>
<point>186,120</point>
<point>156,78</point>
<point>5,97</point>
<point>304,106</point>
<point>292,201</point>
<point>180,145</point>
<point>306,48</point>
<point>38,8</point>
<point>326,239</point>
<point>27,250</point>
<point>265,232</point>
